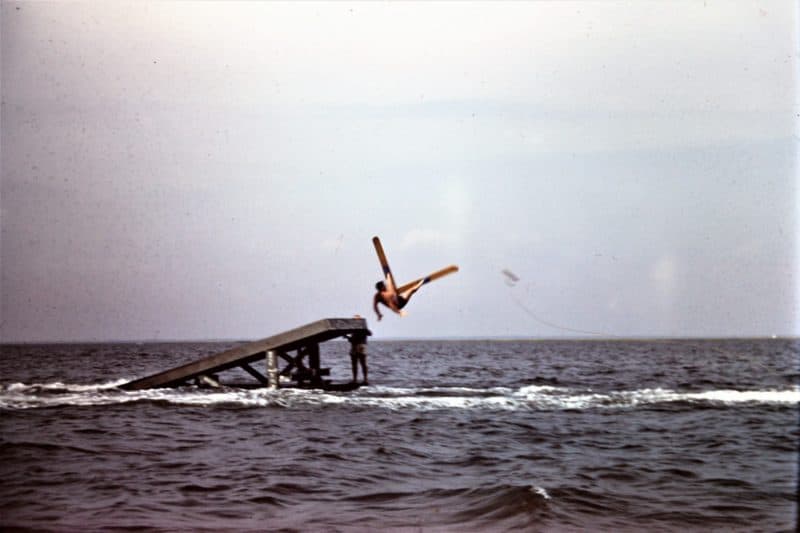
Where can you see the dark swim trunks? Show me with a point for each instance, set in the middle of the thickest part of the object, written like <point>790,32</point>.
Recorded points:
<point>401,302</point>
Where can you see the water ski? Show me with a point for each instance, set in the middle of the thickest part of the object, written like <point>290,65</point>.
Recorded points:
<point>387,272</point>
<point>430,277</point>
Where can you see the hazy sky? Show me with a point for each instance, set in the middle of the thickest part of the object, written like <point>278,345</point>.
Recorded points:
<point>216,170</point>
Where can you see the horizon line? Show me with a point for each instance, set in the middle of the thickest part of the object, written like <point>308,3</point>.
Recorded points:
<point>453,338</point>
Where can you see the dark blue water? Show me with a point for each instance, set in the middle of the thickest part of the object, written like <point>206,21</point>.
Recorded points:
<point>449,436</point>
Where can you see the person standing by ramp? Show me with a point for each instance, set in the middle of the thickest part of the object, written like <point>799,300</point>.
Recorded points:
<point>358,354</point>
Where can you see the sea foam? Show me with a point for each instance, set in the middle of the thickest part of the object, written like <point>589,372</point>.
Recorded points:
<point>26,396</point>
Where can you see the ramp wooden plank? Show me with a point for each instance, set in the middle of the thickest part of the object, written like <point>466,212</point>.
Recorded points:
<point>315,332</point>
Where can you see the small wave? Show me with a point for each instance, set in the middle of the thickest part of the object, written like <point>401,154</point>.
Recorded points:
<point>735,396</point>
<point>58,386</point>
<point>475,506</point>
<point>504,503</point>
<point>531,397</point>
<point>45,447</point>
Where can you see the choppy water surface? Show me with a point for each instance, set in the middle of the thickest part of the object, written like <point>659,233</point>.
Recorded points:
<point>449,436</point>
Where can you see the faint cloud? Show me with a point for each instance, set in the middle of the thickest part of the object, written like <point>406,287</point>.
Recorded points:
<point>455,199</point>
<point>663,273</point>
<point>333,244</point>
<point>424,237</point>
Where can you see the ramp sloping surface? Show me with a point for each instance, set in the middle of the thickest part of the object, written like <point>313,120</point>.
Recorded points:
<point>315,332</point>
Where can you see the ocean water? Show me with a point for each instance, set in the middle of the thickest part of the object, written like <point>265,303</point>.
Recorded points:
<point>694,435</point>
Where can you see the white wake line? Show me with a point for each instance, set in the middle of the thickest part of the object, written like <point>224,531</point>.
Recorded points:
<point>22,396</point>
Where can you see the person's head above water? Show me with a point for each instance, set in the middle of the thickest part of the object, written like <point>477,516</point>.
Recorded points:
<point>380,286</point>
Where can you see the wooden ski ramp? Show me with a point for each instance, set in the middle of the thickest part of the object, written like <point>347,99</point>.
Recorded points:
<point>304,340</point>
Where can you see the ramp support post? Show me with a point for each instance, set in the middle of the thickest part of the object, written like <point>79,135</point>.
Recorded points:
<point>272,369</point>
<point>313,362</point>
